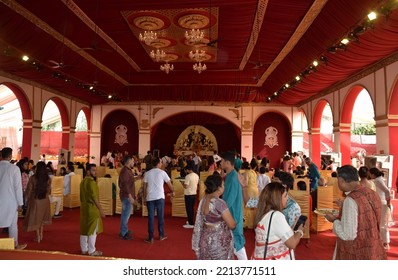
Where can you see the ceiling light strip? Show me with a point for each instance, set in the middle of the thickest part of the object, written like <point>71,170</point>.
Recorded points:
<point>307,21</point>
<point>258,22</point>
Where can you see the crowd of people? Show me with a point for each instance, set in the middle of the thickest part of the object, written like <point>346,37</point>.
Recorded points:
<point>234,184</point>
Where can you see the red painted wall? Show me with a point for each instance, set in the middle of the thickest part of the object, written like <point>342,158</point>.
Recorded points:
<point>284,138</point>
<point>50,143</point>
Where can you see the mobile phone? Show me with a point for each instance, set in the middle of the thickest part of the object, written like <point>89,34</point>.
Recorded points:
<point>300,221</point>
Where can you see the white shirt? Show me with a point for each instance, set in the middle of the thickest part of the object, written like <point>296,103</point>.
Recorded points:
<point>155,179</point>
<point>10,192</point>
<point>197,160</point>
<point>382,189</point>
<point>67,183</point>
<point>191,181</point>
<point>346,228</point>
<point>262,181</point>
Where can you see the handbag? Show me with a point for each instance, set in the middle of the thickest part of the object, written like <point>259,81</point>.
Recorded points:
<point>266,241</point>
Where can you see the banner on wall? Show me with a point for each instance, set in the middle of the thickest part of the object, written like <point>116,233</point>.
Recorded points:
<point>271,138</point>
<point>121,135</point>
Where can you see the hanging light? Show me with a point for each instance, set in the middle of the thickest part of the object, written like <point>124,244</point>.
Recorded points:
<point>158,55</point>
<point>194,35</point>
<point>199,67</point>
<point>167,67</point>
<point>148,37</point>
<point>198,55</point>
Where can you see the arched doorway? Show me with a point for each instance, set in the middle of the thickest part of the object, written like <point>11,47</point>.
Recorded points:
<point>21,110</point>
<point>51,136</point>
<point>164,135</point>
<point>119,133</point>
<point>363,130</point>
<point>82,141</point>
<point>272,137</point>
<point>316,139</point>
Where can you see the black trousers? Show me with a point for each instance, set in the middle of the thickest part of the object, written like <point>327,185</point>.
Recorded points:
<point>314,195</point>
<point>189,207</point>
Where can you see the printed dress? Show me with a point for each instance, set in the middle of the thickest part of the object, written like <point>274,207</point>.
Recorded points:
<point>280,232</point>
<point>212,239</point>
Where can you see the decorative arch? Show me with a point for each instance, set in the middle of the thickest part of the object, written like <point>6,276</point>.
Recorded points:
<point>348,105</point>
<point>393,126</point>
<point>315,135</point>
<point>305,116</point>
<point>26,116</point>
<point>272,137</point>
<point>165,133</point>
<point>63,111</point>
<point>109,131</point>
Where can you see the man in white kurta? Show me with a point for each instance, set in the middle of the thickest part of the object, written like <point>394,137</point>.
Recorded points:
<point>11,199</point>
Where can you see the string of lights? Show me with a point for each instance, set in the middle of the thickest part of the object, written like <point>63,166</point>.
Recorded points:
<point>341,45</point>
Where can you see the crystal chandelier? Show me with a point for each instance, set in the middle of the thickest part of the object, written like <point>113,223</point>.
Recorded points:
<point>148,37</point>
<point>199,67</point>
<point>167,67</point>
<point>197,55</point>
<point>158,55</point>
<point>194,35</point>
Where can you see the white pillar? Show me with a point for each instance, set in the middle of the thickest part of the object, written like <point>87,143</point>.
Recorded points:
<point>247,145</point>
<point>382,136</point>
<point>71,147</point>
<point>36,137</point>
<point>95,147</point>
<point>144,142</point>
<point>336,138</point>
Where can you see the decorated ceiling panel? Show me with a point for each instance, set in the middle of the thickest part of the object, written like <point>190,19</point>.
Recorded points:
<point>217,51</point>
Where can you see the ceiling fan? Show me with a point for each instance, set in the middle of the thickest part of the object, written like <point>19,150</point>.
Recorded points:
<point>55,64</point>
<point>212,42</point>
<point>258,64</point>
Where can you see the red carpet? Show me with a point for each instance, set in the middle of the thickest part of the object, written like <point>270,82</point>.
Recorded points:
<point>63,236</point>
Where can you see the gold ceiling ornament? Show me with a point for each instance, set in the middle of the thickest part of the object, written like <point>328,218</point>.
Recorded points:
<point>167,67</point>
<point>197,45</point>
<point>194,21</point>
<point>150,23</point>
<point>160,43</point>
<point>170,57</point>
<point>199,67</point>
<point>158,55</point>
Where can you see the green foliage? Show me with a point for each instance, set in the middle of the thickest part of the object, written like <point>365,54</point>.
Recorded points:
<point>364,129</point>
<point>52,126</point>
<point>81,122</point>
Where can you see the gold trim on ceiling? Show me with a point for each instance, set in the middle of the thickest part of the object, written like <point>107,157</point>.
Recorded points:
<point>311,15</point>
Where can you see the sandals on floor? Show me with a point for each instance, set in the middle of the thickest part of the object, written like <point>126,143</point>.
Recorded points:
<point>96,253</point>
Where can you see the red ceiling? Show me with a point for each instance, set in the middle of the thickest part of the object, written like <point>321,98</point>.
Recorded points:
<point>120,64</point>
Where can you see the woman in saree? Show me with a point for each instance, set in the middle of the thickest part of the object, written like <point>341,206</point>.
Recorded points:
<point>212,236</point>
